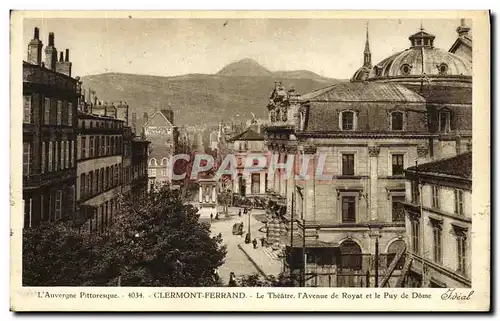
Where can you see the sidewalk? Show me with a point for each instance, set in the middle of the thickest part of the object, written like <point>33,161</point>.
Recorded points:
<point>265,259</point>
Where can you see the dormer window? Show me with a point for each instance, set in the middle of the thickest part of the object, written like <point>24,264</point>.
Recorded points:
<point>444,121</point>
<point>397,120</point>
<point>443,69</point>
<point>347,120</point>
<point>405,69</point>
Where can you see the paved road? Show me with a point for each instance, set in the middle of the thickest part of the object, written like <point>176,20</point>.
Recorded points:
<point>236,260</point>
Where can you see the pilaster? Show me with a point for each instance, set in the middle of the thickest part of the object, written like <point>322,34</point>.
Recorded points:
<point>373,152</point>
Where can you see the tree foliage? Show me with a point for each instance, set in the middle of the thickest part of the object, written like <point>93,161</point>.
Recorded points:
<point>155,240</point>
<point>256,280</point>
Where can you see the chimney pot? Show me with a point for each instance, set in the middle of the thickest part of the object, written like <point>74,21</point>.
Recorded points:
<point>51,39</point>
<point>36,33</point>
<point>67,56</point>
<point>61,56</point>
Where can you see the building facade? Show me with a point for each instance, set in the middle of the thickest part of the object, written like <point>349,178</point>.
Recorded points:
<point>50,98</point>
<point>246,146</point>
<point>160,131</point>
<point>438,222</point>
<point>414,106</point>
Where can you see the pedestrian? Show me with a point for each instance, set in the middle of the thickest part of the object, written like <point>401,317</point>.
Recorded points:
<point>217,216</point>
<point>232,281</point>
<point>254,242</point>
<point>247,238</point>
<point>239,213</point>
<point>262,241</point>
<point>211,216</point>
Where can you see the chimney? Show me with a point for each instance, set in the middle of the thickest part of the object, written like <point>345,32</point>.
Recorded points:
<point>61,56</point>
<point>64,65</point>
<point>463,30</point>
<point>51,53</point>
<point>134,122</point>
<point>145,118</point>
<point>35,49</point>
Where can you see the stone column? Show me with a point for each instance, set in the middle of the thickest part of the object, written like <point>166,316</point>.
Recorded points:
<point>310,185</point>
<point>276,172</point>
<point>290,182</point>
<point>200,196</point>
<point>373,152</point>
<point>262,187</point>
<point>214,194</point>
<point>270,178</point>
<point>282,172</point>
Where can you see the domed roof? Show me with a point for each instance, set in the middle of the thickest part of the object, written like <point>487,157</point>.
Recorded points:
<point>361,74</point>
<point>422,58</point>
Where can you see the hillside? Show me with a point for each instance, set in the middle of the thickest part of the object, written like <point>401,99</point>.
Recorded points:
<point>197,98</point>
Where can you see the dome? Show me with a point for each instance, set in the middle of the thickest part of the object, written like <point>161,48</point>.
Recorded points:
<point>422,58</point>
<point>361,74</point>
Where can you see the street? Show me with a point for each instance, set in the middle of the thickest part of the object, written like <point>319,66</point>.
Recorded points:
<point>236,260</point>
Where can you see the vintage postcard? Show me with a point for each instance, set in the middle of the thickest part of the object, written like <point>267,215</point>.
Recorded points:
<point>250,161</point>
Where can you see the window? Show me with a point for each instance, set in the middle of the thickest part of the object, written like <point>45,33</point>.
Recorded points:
<point>152,172</point>
<point>436,236</point>
<point>82,186</point>
<point>71,153</point>
<point>444,121</point>
<point>415,193</point>
<point>91,183</point>
<point>398,213</point>
<point>459,202</point>
<point>397,164</point>
<point>91,146</point>
<point>152,162</point>
<point>26,158</point>
<point>351,255</point>
<point>84,147</point>
<point>101,180</point>
<point>393,250</point>
<point>62,156</point>
<point>46,112</point>
<point>348,164</point>
<point>27,109</point>
<point>42,167</point>
<point>348,209</point>
<point>70,114</point>
<point>27,205</point>
<point>56,156</point>
<point>59,112</point>
<point>108,146</point>
<point>58,204</point>
<point>435,196</point>
<point>103,146</point>
<point>397,120</point>
<point>415,236</point>
<point>461,254</point>
<point>51,150</point>
<point>347,119</point>
<point>443,69</point>
<point>405,69</point>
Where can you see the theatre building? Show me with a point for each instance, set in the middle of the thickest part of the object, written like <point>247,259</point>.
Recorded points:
<point>414,106</point>
<point>50,97</point>
<point>438,222</point>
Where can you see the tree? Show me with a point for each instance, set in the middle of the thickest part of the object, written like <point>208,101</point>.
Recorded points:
<point>155,240</point>
<point>158,241</point>
<point>54,255</point>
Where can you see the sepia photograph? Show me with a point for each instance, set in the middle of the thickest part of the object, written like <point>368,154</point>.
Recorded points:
<point>235,152</point>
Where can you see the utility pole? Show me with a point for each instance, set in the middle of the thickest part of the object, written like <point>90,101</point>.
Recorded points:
<point>304,257</point>
<point>376,261</point>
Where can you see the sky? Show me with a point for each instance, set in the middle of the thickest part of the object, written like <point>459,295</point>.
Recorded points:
<point>169,47</point>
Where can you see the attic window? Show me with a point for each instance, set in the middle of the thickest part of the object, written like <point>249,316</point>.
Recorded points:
<point>405,69</point>
<point>443,69</point>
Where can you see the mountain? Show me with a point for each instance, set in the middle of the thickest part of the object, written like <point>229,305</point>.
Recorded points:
<point>244,68</point>
<point>238,90</point>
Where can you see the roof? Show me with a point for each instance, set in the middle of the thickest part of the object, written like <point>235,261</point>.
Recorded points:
<point>158,119</point>
<point>81,114</point>
<point>361,74</point>
<point>248,134</point>
<point>360,91</point>
<point>459,166</point>
<point>465,40</point>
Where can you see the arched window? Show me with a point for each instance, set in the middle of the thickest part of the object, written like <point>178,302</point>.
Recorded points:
<point>152,162</point>
<point>444,121</point>
<point>351,256</point>
<point>393,250</point>
<point>442,69</point>
<point>347,120</point>
<point>397,120</point>
<point>164,161</point>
